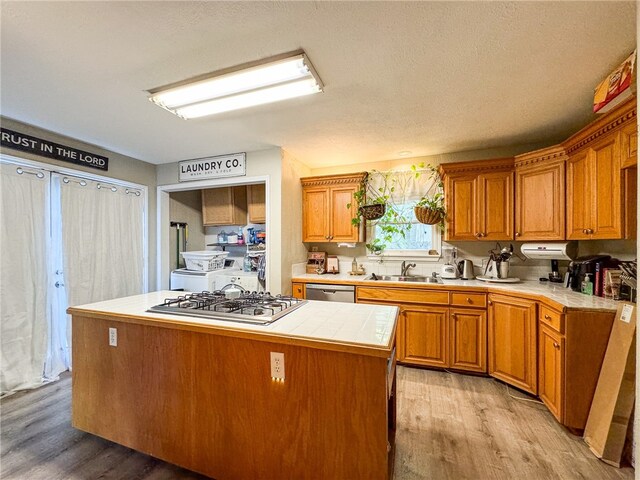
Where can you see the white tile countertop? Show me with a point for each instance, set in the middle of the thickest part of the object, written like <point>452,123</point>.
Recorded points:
<point>345,323</point>
<point>553,291</point>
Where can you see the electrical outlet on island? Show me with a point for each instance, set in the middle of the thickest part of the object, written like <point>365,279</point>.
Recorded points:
<point>277,366</point>
<point>113,337</point>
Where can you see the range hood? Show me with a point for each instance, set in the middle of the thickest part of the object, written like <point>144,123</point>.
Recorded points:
<point>550,251</point>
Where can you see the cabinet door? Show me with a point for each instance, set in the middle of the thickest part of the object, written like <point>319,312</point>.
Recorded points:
<point>224,206</point>
<point>540,202</point>
<point>630,202</point>
<point>315,214</point>
<point>468,333</point>
<point>341,228</point>
<point>256,204</point>
<point>298,290</point>
<point>512,341</point>
<point>579,195</point>
<point>550,366</point>
<point>606,220</point>
<point>424,336</point>
<point>461,208</point>
<point>495,206</point>
<point>629,146</point>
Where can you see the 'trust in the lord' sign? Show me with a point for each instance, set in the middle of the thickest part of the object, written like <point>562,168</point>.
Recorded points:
<point>213,167</point>
<point>44,148</point>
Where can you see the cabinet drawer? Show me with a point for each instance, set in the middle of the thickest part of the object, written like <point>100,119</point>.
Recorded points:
<point>463,299</point>
<point>403,295</point>
<point>552,318</point>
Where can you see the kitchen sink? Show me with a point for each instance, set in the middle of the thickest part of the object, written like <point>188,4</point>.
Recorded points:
<point>404,278</point>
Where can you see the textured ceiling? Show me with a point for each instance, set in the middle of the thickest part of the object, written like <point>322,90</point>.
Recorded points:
<point>424,77</point>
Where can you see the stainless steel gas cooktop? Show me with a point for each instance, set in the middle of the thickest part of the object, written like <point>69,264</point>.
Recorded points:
<point>260,308</point>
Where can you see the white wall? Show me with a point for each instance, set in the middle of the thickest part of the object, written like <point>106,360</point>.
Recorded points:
<point>263,164</point>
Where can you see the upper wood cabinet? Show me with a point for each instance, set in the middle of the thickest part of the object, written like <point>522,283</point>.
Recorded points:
<point>629,149</point>
<point>224,206</point>
<point>325,216</point>
<point>256,203</point>
<point>513,340</point>
<point>540,195</point>
<point>479,198</point>
<point>595,189</point>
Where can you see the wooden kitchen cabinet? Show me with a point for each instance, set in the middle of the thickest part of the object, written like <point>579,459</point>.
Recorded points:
<point>224,206</point>
<point>512,340</point>
<point>551,370</point>
<point>595,182</point>
<point>424,336</point>
<point>468,339</point>
<point>540,195</point>
<point>325,216</point>
<point>594,193</point>
<point>298,290</point>
<point>256,203</point>
<point>431,334</point>
<point>629,149</point>
<point>479,199</point>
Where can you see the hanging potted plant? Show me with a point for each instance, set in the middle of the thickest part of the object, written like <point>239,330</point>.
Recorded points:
<point>431,209</point>
<point>371,200</point>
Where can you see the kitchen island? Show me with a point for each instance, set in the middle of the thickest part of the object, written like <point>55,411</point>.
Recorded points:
<point>199,393</point>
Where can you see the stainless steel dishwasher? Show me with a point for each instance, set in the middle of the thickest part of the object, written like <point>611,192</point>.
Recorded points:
<point>331,293</point>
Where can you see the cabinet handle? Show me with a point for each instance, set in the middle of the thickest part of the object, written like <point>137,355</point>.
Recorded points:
<point>589,231</point>
<point>547,317</point>
<point>469,300</point>
<point>330,237</point>
<point>517,234</point>
<point>453,315</point>
<point>556,345</point>
<point>490,302</point>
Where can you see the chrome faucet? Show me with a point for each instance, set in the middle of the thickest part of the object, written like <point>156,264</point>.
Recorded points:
<point>404,268</point>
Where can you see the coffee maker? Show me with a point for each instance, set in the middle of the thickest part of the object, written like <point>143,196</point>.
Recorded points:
<point>582,266</point>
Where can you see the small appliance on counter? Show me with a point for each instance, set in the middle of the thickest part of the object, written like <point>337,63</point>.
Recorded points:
<point>553,252</point>
<point>316,262</point>
<point>466,270</point>
<point>450,267</point>
<point>333,265</point>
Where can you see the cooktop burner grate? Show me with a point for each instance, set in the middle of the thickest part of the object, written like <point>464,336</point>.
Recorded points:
<point>250,307</point>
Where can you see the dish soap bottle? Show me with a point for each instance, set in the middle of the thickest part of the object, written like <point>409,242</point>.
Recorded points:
<point>354,266</point>
<point>587,285</point>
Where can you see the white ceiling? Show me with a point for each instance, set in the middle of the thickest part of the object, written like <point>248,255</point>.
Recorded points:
<point>427,77</point>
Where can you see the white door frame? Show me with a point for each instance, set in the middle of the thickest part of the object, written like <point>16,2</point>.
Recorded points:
<point>163,229</point>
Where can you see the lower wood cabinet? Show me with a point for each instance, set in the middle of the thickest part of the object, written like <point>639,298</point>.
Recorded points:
<point>551,371</point>
<point>298,290</point>
<point>512,340</point>
<point>468,339</point>
<point>423,336</point>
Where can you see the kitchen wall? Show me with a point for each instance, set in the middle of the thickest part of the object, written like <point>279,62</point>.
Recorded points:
<point>186,207</point>
<point>263,163</point>
<point>121,167</point>
<point>293,250</point>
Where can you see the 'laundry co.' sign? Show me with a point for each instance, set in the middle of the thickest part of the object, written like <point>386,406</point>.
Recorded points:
<point>44,148</point>
<point>213,167</point>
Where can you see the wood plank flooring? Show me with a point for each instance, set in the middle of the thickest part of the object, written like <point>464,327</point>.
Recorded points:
<point>450,426</point>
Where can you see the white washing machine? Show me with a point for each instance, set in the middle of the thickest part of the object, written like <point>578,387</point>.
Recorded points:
<point>192,280</point>
<point>247,280</point>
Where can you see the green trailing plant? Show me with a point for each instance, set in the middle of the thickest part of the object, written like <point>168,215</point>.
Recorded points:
<point>380,188</point>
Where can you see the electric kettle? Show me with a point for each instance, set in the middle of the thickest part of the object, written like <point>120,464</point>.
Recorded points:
<point>466,270</point>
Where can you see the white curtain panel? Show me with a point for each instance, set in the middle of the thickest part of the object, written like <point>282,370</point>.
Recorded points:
<point>102,239</point>
<point>24,306</point>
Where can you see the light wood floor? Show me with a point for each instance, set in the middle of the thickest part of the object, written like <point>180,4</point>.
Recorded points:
<point>449,427</point>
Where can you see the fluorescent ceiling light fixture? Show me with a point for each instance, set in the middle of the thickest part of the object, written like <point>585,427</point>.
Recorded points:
<point>279,78</point>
